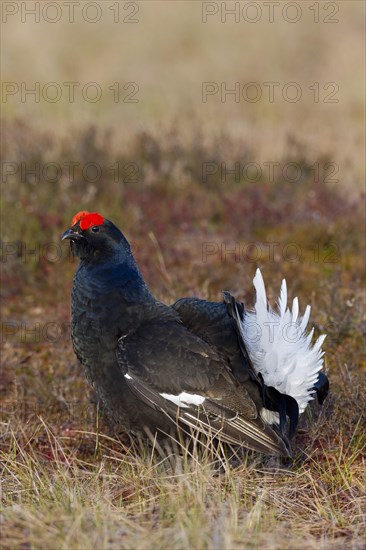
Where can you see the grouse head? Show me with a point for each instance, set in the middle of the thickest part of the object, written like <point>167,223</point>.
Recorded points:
<point>95,239</point>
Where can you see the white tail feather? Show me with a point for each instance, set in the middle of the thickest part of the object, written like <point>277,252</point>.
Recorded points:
<point>280,347</point>
<point>282,302</point>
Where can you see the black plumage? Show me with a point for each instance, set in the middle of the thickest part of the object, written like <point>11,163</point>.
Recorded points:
<point>156,366</point>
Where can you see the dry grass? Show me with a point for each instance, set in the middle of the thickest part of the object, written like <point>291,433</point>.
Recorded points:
<point>66,480</point>
<point>117,496</point>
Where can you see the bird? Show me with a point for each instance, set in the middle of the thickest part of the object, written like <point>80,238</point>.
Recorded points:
<point>241,376</point>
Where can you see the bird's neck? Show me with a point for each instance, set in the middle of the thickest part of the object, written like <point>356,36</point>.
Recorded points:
<point>115,274</point>
<point>109,301</point>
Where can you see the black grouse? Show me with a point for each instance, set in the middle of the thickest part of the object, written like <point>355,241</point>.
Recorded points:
<point>207,366</point>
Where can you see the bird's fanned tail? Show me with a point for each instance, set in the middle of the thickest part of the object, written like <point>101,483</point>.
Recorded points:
<point>276,406</point>
<point>280,347</point>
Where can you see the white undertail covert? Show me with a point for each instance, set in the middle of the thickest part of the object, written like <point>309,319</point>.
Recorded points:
<point>280,346</point>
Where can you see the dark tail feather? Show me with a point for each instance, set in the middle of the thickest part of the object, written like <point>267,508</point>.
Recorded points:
<point>321,387</point>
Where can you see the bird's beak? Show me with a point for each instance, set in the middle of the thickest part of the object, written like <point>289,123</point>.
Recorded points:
<point>71,234</point>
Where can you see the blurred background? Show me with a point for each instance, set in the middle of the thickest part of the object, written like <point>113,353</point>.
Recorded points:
<point>217,141</point>
<point>169,49</point>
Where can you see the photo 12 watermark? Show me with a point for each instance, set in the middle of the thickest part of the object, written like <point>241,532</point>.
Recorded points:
<point>269,172</point>
<point>71,171</point>
<point>270,92</point>
<point>26,332</point>
<point>40,253</point>
<point>53,333</point>
<point>271,251</point>
<point>269,12</point>
<point>70,92</point>
<point>71,12</point>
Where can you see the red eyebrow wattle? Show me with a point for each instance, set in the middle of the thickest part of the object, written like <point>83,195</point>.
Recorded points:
<point>87,219</point>
<point>91,219</point>
<point>78,216</point>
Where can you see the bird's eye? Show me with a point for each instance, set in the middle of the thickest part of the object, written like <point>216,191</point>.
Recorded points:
<point>95,228</point>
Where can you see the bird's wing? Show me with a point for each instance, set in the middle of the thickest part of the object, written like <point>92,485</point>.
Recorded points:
<point>212,322</point>
<point>173,370</point>
<point>209,320</point>
<point>221,324</point>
